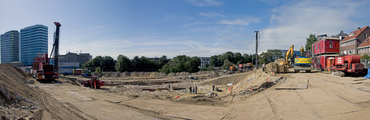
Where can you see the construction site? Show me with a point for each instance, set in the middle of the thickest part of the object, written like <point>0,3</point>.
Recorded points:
<point>324,86</point>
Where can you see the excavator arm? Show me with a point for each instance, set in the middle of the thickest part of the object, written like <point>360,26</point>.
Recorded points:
<point>302,51</point>
<point>291,52</point>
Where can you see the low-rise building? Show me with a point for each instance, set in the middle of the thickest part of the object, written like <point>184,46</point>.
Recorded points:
<point>74,57</point>
<point>353,40</point>
<point>204,61</point>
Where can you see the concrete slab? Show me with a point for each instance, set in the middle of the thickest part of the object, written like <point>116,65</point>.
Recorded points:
<point>293,84</point>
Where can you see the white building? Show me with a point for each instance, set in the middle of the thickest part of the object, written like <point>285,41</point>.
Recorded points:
<point>204,61</point>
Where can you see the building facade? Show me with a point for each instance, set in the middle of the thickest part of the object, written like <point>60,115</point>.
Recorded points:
<point>351,42</point>
<point>33,40</point>
<point>9,46</point>
<point>204,61</point>
<point>74,57</point>
<point>364,47</point>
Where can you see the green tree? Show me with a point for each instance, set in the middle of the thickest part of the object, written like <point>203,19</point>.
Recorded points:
<point>227,64</point>
<point>98,70</point>
<point>123,64</point>
<point>265,57</point>
<point>365,57</point>
<point>310,40</point>
<point>182,63</point>
<point>238,57</point>
<point>163,60</point>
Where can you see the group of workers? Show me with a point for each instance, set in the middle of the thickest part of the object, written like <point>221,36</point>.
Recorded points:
<point>193,89</point>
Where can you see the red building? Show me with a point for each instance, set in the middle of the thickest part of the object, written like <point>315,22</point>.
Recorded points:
<point>326,45</point>
<point>323,49</point>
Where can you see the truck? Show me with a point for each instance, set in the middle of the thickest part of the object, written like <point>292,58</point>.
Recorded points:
<point>46,68</point>
<point>347,64</point>
<point>94,82</point>
<point>302,62</point>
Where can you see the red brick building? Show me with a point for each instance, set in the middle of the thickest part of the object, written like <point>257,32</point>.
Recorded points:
<point>364,47</point>
<point>349,45</point>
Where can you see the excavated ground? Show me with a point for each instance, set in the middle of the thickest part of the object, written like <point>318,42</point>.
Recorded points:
<point>255,95</point>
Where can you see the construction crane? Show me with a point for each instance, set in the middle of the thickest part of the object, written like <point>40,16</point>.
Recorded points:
<point>42,68</point>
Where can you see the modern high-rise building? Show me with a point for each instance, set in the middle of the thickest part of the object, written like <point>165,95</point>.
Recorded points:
<point>33,40</point>
<point>9,46</point>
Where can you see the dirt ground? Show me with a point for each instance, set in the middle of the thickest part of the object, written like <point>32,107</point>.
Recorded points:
<point>254,96</point>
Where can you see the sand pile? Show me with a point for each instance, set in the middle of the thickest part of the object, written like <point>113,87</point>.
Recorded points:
<point>171,74</point>
<point>19,98</point>
<point>183,74</point>
<point>125,74</point>
<point>108,75</point>
<point>116,75</point>
<point>157,74</point>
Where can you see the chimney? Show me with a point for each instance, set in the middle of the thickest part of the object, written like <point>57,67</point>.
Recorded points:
<point>341,32</point>
<point>358,28</point>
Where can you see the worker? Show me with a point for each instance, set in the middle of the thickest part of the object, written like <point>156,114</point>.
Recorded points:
<point>193,89</point>
<point>213,87</point>
<point>190,89</point>
<point>169,87</point>
<point>196,89</point>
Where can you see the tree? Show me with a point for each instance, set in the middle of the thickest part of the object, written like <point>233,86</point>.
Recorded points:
<point>310,40</point>
<point>105,63</point>
<point>123,64</point>
<point>365,57</point>
<point>265,57</point>
<point>227,64</point>
<point>98,70</point>
<point>238,57</point>
<point>181,63</point>
<point>163,60</point>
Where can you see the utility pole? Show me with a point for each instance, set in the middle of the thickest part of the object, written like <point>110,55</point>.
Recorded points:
<point>256,49</point>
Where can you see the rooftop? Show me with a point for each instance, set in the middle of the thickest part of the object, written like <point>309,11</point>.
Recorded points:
<point>355,33</point>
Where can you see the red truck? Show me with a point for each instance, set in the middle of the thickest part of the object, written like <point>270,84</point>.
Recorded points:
<point>93,83</point>
<point>348,64</point>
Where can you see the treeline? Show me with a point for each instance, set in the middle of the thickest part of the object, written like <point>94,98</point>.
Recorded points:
<point>180,63</point>
<point>107,63</point>
<point>228,59</point>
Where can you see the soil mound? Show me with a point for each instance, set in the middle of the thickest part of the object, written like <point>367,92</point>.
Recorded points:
<point>16,94</point>
<point>171,74</point>
<point>116,75</point>
<point>125,74</point>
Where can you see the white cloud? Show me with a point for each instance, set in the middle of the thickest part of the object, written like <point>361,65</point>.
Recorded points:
<point>243,21</point>
<point>292,23</point>
<point>204,2</point>
<point>210,14</point>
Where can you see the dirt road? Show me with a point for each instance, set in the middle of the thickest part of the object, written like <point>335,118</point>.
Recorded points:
<point>327,97</point>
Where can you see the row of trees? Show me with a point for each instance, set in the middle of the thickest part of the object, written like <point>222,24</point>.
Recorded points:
<point>139,64</point>
<point>107,63</point>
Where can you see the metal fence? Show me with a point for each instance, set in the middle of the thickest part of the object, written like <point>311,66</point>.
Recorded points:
<point>365,62</point>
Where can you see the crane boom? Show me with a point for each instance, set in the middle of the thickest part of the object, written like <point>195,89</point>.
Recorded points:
<point>56,46</point>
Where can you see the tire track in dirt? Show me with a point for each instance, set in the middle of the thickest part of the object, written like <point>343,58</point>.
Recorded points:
<point>59,111</point>
<point>150,112</point>
<point>307,104</point>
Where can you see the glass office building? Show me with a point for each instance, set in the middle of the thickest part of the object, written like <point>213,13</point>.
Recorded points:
<point>33,40</point>
<point>9,46</point>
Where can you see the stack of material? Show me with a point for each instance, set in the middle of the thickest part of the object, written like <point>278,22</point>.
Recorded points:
<point>271,67</point>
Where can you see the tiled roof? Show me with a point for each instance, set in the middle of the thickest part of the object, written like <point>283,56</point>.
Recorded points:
<point>365,43</point>
<point>356,33</point>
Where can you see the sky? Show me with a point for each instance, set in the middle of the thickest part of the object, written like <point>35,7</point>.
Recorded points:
<point>202,28</point>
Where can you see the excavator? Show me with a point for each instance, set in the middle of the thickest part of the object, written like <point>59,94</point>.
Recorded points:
<point>302,62</point>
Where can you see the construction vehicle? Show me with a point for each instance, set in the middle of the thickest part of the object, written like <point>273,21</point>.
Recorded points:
<point>94,82</point>
<point>348,64</point>
<point>302,62</point>
<point>46,68</point>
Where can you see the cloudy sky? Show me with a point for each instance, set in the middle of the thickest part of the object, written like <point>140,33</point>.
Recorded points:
<point>154,28</point>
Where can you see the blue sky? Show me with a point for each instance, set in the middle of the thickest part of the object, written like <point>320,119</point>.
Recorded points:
<point>154,28</point>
